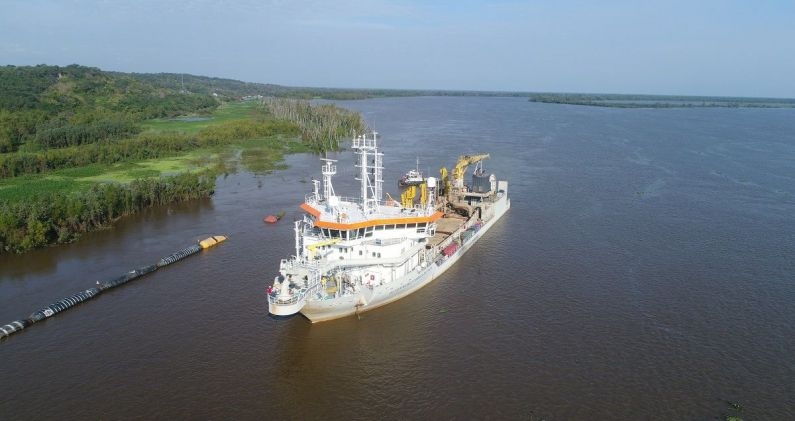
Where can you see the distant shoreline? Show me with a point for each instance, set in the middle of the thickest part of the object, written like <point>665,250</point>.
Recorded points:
<point>660,101</point>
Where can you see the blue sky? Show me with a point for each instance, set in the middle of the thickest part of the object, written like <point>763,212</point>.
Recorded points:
<point>743,48</point>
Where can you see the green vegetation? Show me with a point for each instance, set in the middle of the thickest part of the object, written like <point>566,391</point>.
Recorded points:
<point>234,89</point>
<point>58,217</point>
<point>229,111</point>
<point>51,106</point>
<point>322,126</point>
<point>659,101</point>
<point>82,147</point>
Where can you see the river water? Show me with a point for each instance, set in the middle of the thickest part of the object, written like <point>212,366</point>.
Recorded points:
<point>646,270</point>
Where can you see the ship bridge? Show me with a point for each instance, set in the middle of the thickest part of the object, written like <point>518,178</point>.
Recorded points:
<point>330,211</point>
<point>348,214</point>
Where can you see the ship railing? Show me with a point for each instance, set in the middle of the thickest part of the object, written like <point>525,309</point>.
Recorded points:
<point>287,264</point>
<point>275,299</point>
<point>384,241</point>
<point>313,199</point>
<point>297,295</point>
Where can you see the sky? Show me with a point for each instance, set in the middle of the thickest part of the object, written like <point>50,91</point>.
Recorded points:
<point>703,47</point>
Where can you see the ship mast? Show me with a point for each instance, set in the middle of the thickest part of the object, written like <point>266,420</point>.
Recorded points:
<point>328,171</point>
<point>371,171</point>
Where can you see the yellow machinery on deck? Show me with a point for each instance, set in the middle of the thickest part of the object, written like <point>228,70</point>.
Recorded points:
<point>313,248</point>
<point>455,180</point>
<point>461,167</point>
<point>445,182</point>
<point>410,193</point>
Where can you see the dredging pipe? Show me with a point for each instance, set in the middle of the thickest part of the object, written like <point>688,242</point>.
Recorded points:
<point>69,302</point>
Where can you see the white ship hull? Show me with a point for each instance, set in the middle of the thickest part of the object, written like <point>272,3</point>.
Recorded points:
<point>369,299</point>
<point>354,255</point>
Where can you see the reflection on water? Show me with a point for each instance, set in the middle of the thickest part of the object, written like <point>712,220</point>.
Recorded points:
<point>642,273</point>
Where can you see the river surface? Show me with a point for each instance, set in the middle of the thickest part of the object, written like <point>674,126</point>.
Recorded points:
<point>646,270</point>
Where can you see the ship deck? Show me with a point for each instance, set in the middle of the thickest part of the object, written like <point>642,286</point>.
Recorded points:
<point>444,227</point>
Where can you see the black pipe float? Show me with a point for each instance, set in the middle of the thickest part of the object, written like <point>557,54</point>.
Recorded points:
<point>90,293</point>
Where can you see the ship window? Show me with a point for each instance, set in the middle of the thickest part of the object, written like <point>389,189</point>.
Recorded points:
<point>361,252</point>
<point>379,254</point>
<point>411,225</point>
<point>380,227</point>
<point>400,226</point>
<point>420,230</point>
<point>373,254</point>
<point>360,233</point>
<point>421,225</point>
<point>391,226</point>
<point>351,235</point>
<point>369,229</point>
<point>335,233</point>
<point>368,234</point>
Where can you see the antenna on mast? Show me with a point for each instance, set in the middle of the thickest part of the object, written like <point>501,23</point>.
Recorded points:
<point>328,170</point>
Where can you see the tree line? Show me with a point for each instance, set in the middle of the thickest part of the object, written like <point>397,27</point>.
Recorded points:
<point>322,126</point>
<point>57,218</point>
<point>53,106</point>
<point>141,147</point>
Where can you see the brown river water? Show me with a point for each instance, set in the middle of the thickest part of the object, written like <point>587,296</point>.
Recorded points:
<point>646,270</point>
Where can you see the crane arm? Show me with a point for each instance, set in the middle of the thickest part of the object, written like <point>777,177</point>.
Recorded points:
<point>463,162</point>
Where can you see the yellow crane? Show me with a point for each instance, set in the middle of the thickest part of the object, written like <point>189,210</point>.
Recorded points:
<point>407,197</point>
<point>313,248</point>
<point>461,167</point>
<point>445,182</point>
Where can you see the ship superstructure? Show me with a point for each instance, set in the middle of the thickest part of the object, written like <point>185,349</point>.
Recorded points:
<point>355,254</point>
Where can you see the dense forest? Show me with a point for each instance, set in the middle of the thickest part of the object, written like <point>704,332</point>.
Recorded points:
<point>51,106</point>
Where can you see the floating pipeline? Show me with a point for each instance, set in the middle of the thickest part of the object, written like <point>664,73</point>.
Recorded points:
<point>175,257</point>
<point>90,293</point>
<point>62,305</point>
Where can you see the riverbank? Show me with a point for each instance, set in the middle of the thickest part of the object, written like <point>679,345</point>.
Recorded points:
<point>46,198</point>
<point>659,101</point>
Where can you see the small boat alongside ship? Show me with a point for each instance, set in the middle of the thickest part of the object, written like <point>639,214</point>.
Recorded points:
<point>357,254</point>
<point>412,177</point>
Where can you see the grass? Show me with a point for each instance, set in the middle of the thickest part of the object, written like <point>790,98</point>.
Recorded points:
<point>259,156</point>
<point>21,188</point>
<point>226,112</point>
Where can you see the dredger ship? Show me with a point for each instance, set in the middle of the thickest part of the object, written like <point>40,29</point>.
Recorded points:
<point>354,255</point>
